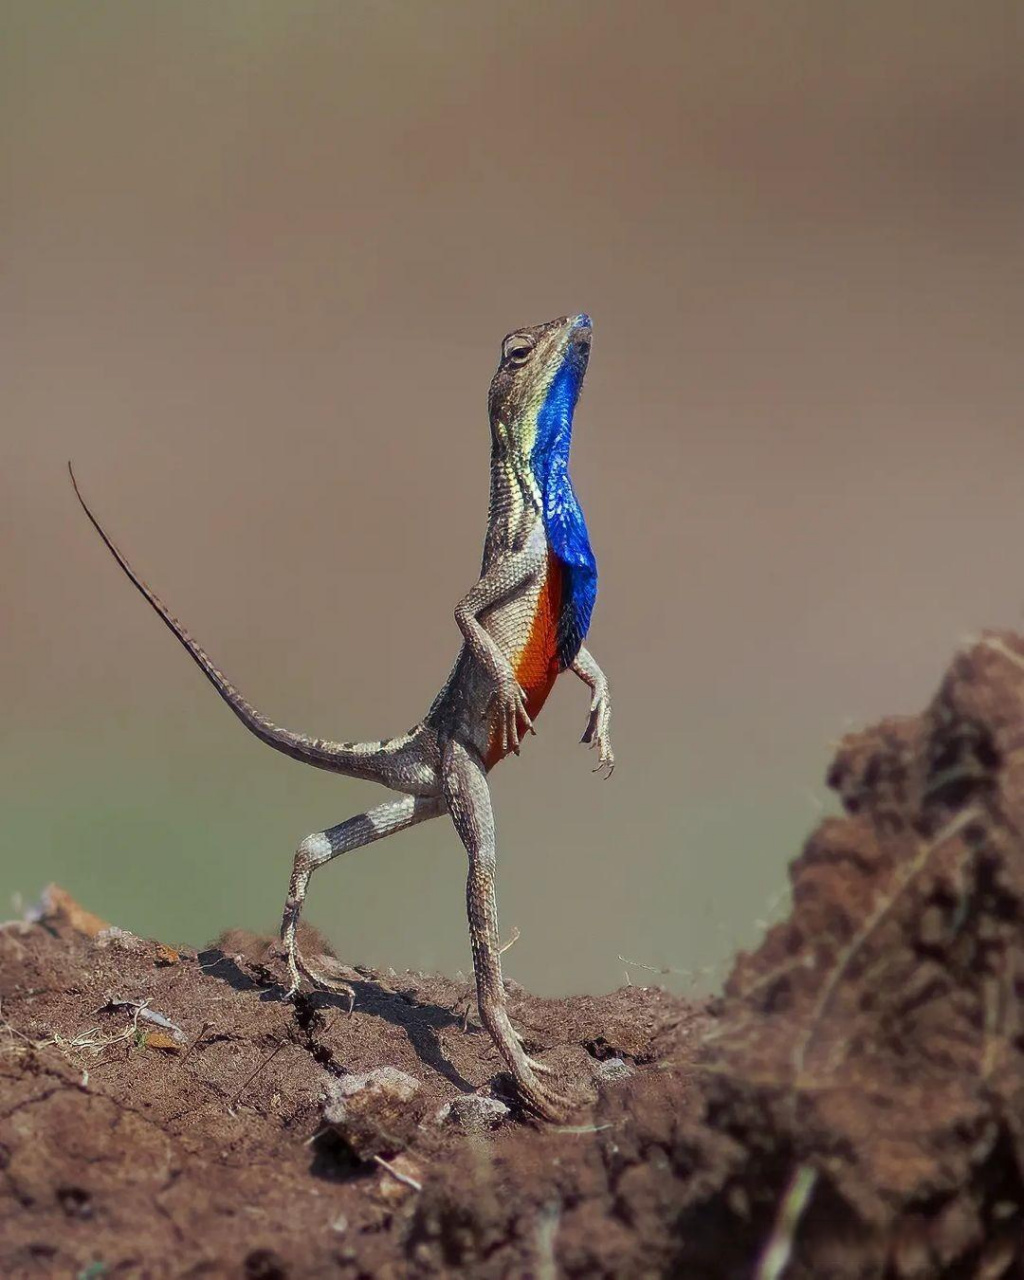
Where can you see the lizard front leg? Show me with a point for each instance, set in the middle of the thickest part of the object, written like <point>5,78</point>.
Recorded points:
<point>596,732</point>
<point>469,803</point>
<point>510,574</point>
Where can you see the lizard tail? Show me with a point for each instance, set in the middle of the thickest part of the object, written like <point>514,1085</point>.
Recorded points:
<point>356,759</point>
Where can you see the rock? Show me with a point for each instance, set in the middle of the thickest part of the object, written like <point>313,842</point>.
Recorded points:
<point>120,939</point>
<point>612,1069</point>
<point>473,1113</point>
<point>375,1112</point>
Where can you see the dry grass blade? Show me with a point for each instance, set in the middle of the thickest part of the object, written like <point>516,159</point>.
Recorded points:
<point>779,1249</point>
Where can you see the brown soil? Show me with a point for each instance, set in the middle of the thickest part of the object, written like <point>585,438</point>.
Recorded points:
<point>853,1106</point>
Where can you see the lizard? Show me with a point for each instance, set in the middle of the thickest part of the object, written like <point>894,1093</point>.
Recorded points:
<point>522,624</point>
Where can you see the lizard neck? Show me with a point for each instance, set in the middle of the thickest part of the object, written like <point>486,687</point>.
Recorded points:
<point>530,486</point>
<point>516,499</point>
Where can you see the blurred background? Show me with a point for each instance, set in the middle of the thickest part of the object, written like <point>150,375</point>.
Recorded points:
<point>257,260</point>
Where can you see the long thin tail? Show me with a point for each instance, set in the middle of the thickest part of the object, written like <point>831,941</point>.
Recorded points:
<point>357,759</point>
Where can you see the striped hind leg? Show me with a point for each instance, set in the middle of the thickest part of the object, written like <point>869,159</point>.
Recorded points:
<point>318,849</point>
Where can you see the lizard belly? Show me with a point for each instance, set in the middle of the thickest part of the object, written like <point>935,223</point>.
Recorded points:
<point>535,660</point>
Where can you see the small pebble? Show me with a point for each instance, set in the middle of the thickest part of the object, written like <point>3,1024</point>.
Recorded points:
<point>375,1112</point>
<point>472,1112</point>
<point>124,939</point>
<point>612,1069</point>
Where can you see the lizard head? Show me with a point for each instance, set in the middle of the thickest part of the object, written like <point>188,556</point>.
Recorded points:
<point>537,383</point>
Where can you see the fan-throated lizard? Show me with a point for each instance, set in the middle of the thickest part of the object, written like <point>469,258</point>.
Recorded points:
<point>522,624</point>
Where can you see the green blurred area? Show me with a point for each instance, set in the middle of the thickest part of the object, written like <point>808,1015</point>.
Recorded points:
<point>144,831</point>
<point>257,262</point>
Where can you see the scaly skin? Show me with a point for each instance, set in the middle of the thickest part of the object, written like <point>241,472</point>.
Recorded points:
<point>522,624</point>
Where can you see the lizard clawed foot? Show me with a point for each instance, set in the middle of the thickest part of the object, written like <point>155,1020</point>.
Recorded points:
<point>335,988</point>
<point>293,970</point>
<point>299,968</point>
<point>543,1101</point>
<point>509,702</point>
<point>541,1068</point>
<point>605,766</point>
<point>596,735</point>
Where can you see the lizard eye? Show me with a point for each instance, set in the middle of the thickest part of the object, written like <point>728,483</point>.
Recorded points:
<point>517,350</point>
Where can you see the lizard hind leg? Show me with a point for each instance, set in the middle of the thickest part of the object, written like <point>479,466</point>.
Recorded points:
<point>468,799</point>
<point>320,848</point>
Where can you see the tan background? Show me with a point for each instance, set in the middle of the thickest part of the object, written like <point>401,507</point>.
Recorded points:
<point>257,259</point>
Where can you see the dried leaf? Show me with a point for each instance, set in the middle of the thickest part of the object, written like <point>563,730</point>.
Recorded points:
<point>161,1040</point>
<point>59,908</point>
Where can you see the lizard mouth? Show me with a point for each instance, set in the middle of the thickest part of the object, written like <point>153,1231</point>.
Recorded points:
<point>579,347</point>
<point>580,337</point>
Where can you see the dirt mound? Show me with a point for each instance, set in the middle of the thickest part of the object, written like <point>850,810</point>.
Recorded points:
<point>851,1107</point>
<point>161,1110</point>
<point>868,1056</point>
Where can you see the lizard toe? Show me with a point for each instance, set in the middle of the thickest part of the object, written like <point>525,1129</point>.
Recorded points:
<point>547,1104</point>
